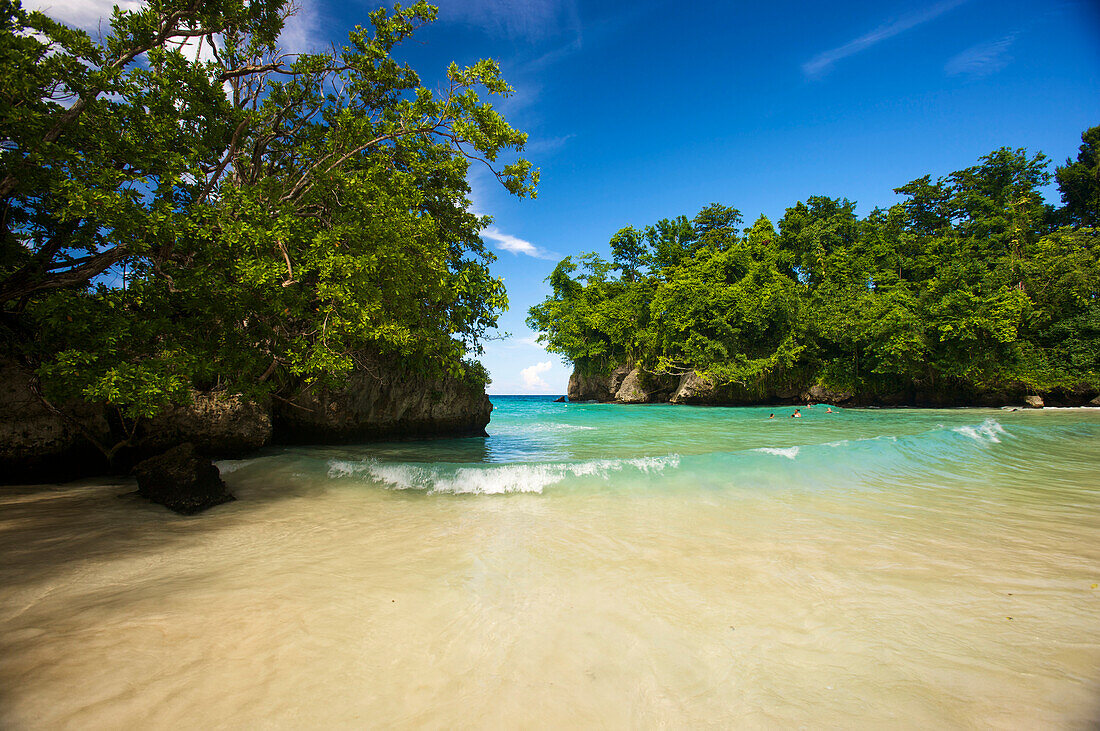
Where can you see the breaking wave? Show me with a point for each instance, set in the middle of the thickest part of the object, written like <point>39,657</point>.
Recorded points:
<point>491,479</point>
<point>988,431</point>
<point>549,427</point>
<point>940,450</point>
<point>788,452</point>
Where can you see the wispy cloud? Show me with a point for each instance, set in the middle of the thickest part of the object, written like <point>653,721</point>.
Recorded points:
<point>531,377</point>
<point>519,19</point>
<point>544,145</point>
<point>513,342</point>
<point>822,63</point>
<point>514,244</point>
<point>302,31</point>
<point>479,196</point>
<point>981,60</point>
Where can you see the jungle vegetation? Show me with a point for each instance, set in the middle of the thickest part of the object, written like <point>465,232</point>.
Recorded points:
<point>972,279</point>
<point>185,204</point>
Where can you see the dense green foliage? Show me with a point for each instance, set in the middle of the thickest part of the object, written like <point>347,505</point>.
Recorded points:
<point>971,280</point>
<point>185,205</point>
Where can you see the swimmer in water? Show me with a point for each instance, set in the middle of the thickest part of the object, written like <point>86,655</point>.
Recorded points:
<point>797,414</point>
<point>772,416</point>
<point>829,410</point>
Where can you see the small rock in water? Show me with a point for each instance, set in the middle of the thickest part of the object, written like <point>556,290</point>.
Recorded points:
<point>182,481</point>
<point>560,400</point>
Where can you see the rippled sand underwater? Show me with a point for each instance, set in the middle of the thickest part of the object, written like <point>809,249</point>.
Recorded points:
<point>587,565</point>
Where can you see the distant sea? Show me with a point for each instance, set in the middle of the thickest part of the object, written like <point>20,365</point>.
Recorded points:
<point>587,565</point>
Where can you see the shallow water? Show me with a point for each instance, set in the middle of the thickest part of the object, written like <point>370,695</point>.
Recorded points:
<point>587,565</point>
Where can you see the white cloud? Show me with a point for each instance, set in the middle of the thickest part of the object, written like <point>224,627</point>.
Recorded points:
<point>531,377</point>
<point>820,64</point>
<point>301,33</point>
<point>982,59</point>
<point>515,245</point>
<point>85,14</point>
<point>302,30</point>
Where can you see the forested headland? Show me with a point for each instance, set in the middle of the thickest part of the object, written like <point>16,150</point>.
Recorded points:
<point>187,206</point>
<point>970,290</point>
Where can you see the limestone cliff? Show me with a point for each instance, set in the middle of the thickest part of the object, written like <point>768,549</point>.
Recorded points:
<point>628,384</point>
<point>382,402</point>
<point>40,444</point>
<point>36,442</point>
<point>585,387</point>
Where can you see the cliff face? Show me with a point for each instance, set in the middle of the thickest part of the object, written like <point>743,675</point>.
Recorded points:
<point>626,384</point>
<point>37,444</point>
<point>35,441</point>
<point>637,386</point>
<point>382,403</point>
<point>584,387</point>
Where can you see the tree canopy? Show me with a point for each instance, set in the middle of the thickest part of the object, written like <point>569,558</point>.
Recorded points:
<point>972,279</point>
<point>185,204</point>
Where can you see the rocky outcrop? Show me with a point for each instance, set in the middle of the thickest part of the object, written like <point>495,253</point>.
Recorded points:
<point>217,425</point>
<point>585,387</point>
<point>818,392</point>
<point>628,384</point>
<point>694,389</point>
<point>382,402</point>
<point>39,444</point>
<point>631,390</point>
<point>182,481</point>
<point>618,377</point>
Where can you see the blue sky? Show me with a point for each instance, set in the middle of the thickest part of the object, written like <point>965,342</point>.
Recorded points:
<point>638,111</point>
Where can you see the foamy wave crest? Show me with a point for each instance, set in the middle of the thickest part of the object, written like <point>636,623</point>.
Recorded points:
<point>338,468</point>
<point>987,431</point>
<point>492,479</point>
<point>226,466</point>
<point>551,427</point>
<point>857,442</point>
<point>788,452</point>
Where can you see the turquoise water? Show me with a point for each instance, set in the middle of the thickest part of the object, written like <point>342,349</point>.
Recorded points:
<point>587,565</point>
<point>537,445</point>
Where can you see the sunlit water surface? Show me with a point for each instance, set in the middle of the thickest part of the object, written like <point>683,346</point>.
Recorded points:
<point>586,565</point>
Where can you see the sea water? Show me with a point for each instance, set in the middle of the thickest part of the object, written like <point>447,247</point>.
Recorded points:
<point>586,565</point>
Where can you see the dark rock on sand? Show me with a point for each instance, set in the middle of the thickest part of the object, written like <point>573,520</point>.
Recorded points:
<point>181,480</point>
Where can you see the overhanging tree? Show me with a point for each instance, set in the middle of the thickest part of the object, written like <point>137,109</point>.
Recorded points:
<point>250,220</point>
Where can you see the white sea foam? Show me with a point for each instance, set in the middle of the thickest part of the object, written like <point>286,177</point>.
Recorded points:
<point>338,468</point>
<point>788,452</point>
<point>847,442</point>
<point>492,479</point>
<point>986,432</point>
<point>542,428</point>
<point>227,466</point>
